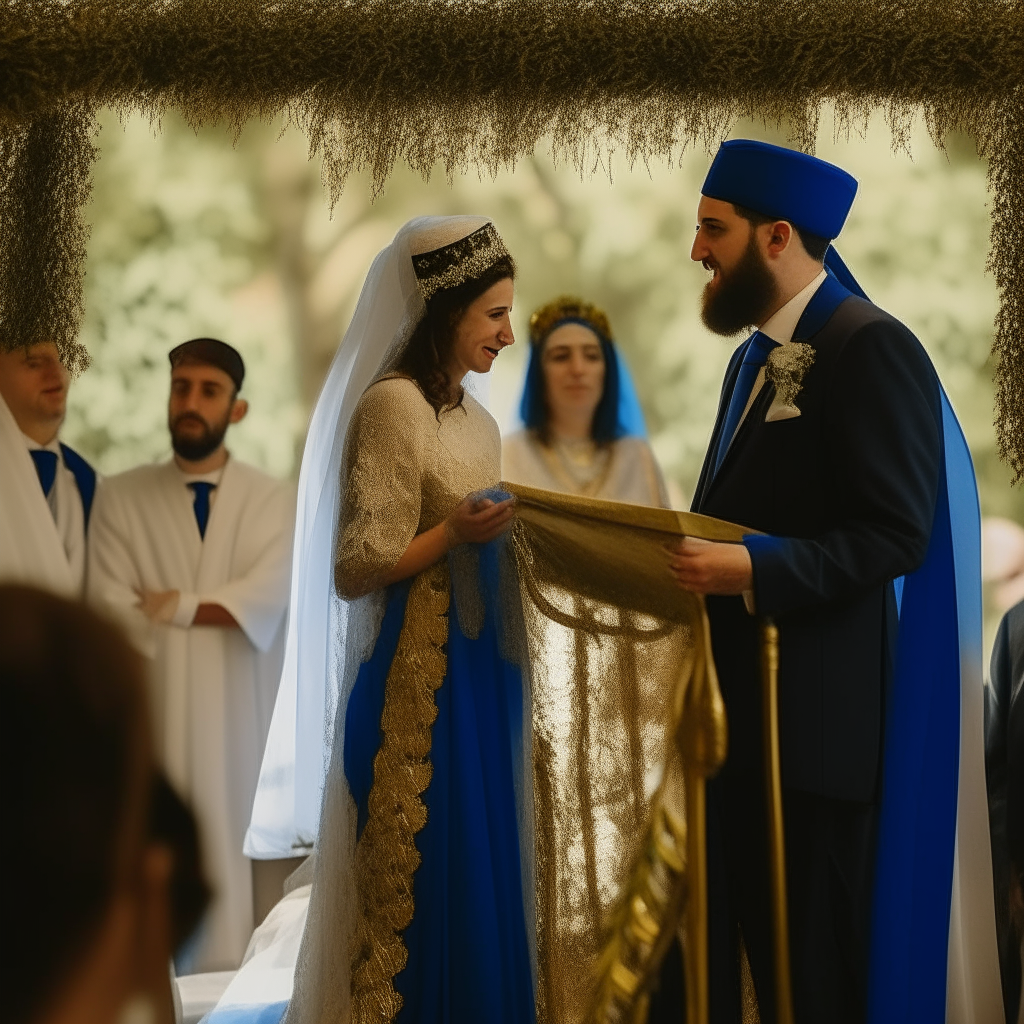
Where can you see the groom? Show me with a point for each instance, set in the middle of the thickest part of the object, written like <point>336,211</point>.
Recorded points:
<point>828,440</point>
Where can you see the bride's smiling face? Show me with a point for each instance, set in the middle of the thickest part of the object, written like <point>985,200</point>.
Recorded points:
<point>483,331</point>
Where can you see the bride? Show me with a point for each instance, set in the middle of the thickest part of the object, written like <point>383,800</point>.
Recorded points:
<point>421,892</point>
<point>494,711</point>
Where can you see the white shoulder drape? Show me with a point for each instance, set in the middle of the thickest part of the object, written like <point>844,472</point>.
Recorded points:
<point>31,549</point>
<point>212,688</point>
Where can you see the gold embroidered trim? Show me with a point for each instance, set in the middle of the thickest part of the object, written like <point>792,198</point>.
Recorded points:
<point>386,855</point>
<point>656,899</point>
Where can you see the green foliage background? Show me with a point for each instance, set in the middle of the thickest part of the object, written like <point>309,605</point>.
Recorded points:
<point>191,235</point>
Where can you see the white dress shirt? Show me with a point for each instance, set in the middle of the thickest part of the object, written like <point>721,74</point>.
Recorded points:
<point>780,327</point>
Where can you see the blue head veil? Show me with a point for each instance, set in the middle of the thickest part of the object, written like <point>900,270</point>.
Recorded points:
<point>618,414</point>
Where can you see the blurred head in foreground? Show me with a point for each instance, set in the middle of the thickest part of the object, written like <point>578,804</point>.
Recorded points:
<point>94,836</point>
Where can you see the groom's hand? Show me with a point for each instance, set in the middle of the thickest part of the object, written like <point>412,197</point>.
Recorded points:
<point>705,567</point>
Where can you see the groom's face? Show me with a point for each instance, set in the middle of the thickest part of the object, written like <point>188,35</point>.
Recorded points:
<point>742,288</point>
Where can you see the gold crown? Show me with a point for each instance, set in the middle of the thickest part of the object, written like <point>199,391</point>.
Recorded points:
<point>567,307</point>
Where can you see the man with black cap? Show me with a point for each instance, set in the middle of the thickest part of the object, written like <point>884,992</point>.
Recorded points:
<point>194,555</point>
<point>834,439</point>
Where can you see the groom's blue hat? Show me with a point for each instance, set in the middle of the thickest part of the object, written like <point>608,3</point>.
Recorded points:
<point>813,194</point>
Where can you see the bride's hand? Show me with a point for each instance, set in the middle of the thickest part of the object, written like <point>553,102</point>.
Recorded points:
<point>478,520</point>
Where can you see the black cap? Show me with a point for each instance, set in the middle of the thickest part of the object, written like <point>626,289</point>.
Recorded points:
<point>213,353</point>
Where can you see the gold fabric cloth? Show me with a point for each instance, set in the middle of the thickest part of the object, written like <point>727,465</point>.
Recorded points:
<point>613,762</point>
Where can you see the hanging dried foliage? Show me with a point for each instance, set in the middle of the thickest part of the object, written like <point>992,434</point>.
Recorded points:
<point>466,83</point>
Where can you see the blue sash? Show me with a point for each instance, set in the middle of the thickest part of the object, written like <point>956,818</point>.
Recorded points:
<point>940,628</point>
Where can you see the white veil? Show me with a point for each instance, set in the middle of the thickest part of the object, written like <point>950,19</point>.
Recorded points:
<point>328,638</point>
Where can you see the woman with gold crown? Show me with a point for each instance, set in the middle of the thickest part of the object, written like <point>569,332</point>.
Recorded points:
<point>584,431</point>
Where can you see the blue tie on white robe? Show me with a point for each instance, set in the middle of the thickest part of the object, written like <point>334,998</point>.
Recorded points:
<point>201,504</point>
<point>46,468</point>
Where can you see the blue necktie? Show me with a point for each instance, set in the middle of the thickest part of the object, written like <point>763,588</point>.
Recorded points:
<point>46,468</point>
<point>756,355</point>
<point>202,505</point>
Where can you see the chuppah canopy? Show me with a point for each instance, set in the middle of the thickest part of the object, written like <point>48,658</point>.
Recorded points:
<point>465,83</point>
<point>462,83</point>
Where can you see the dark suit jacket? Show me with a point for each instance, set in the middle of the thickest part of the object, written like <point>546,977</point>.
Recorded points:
<point>1004,769</point>
<point>847,492</point>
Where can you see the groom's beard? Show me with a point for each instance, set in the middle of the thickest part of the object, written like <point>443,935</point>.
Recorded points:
<point>742,297</point>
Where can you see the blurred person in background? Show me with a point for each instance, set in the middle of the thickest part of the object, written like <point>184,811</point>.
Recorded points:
<point>193,555</point>
<point>100,874</point>
<point>584,431</point>
<point>47,487</point>
<point>1002,561</point>
<point>1004,764</point>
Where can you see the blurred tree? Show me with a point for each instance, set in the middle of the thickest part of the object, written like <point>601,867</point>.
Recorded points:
<point>319,256</point>
<point>179,249</point>
<point>192,236</point>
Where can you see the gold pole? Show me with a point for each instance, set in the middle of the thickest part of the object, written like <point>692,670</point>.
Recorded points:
<point>704,741</point>
<point>695,952</point>
<point>776,837</point>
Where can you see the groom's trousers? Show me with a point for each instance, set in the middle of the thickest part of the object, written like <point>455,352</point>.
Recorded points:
<point>829,853</point>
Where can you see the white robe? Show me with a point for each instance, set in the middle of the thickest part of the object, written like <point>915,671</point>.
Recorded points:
<point>32,550</point>
<point>213,688</point>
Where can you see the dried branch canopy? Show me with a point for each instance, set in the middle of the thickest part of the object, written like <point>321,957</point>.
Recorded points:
<point>478,83</point>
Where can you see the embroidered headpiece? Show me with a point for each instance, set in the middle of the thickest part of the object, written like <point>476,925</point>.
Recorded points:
<point>460,261</point>
<point>567,309</point>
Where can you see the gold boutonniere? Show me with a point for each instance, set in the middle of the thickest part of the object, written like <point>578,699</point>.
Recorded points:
<point>785,368</point>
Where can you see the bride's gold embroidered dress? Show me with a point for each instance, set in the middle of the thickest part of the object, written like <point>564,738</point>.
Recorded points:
<point>517,733</point>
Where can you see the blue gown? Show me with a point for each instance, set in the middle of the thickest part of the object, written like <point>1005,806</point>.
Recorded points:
<point>469,957</point>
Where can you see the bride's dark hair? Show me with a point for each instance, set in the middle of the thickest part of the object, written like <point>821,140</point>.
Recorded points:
<point>430,346</point>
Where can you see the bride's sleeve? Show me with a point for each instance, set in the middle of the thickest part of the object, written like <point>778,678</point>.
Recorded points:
<point>381,487</point>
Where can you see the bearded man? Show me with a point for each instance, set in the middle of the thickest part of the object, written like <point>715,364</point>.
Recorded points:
<point>194,556</point>
<point>835,440</point>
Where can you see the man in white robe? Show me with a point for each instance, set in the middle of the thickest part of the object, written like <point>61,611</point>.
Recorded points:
<point>46,488</point>
<point>194,555</point>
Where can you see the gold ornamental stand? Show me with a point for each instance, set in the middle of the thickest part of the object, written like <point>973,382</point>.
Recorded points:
<point>776,836</point>
<point>696,921</point>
